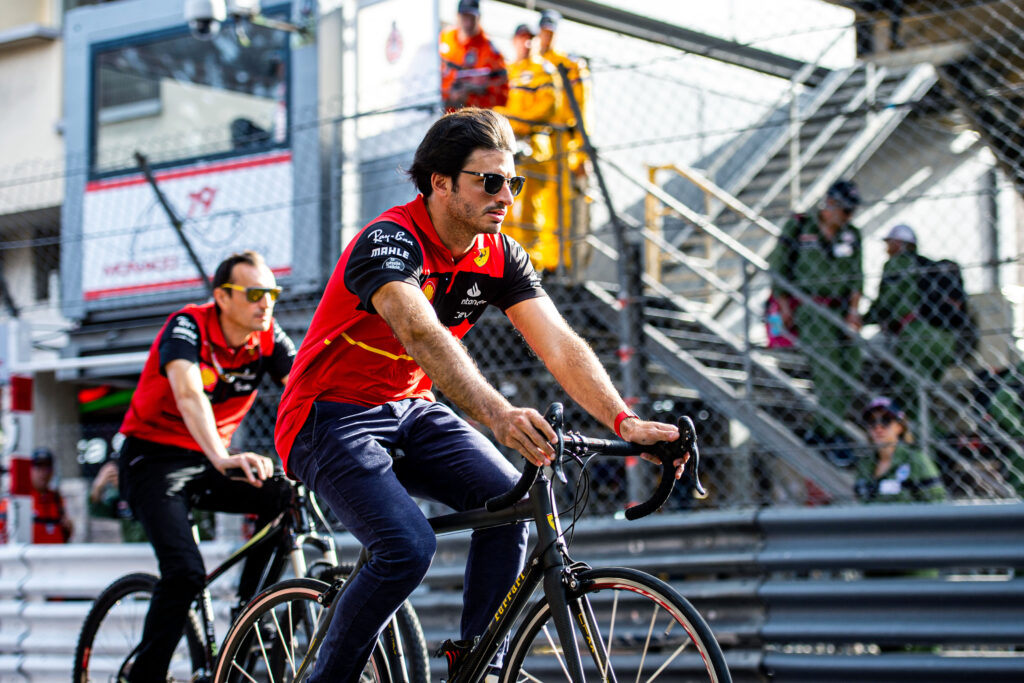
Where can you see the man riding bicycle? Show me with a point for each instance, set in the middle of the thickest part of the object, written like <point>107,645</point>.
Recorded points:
<point>199,381</point>
<point>404,292</point>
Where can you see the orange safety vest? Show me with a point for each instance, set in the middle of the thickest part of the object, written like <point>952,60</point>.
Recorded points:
<point>473,72</point>
<point>47,511</point>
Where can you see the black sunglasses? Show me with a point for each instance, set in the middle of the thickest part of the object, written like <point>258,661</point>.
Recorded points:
<point>254,294</point>
<point>883,421</point>
<point>494,181</point>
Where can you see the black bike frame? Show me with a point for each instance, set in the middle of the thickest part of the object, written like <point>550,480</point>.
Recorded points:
<point>286,540</point>
<point>547,565</point>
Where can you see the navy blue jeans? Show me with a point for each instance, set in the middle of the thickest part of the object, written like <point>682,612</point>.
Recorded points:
<point>344,454</point>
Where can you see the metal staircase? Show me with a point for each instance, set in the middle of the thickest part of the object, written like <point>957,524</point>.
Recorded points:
<point>710,277</point>
<point>787,161</point>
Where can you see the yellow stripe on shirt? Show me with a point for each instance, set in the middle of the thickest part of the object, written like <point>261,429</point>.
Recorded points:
<point>372,349</point>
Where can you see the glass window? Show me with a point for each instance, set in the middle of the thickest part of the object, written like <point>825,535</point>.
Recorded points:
<point>176,98</point>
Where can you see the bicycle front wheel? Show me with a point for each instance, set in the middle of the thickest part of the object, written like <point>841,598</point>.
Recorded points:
<point>629,625</point>
<point>272,636</point>
<point>112,631</point>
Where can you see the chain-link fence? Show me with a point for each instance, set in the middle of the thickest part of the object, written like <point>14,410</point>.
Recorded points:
<point>708,192</point>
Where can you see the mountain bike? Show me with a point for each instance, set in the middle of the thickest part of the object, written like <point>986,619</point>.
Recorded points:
<point>112,630</point>
<point>608,624</point>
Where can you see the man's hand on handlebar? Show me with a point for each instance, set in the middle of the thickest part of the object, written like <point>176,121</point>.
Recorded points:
<point>253,466</point>
<point>648,433</point>
<point>526,430</point>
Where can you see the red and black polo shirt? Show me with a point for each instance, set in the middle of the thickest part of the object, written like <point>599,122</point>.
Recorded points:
<point>230,375</point>
<point>351,355</point>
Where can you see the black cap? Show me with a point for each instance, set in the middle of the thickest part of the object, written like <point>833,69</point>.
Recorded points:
<point>549,18</point>
<point>845,194</point>
<point>469,7</point>
<point>885,404</point>
<point>523,29</point>
<point>42,456</point>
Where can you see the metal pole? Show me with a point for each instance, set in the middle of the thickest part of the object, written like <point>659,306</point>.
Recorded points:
<point>924,419</point>
<point>744,460</point>
<point>992,220</point>
<point>5,294</point>
<point>564,189</point>
<point>173,218</point>
<point>628,268</point>
<point>794,148</point>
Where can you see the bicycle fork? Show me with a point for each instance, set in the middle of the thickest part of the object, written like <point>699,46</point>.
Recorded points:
<point>557,574</point>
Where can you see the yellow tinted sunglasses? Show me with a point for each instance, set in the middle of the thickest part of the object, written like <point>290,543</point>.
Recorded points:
<point>254,294</point>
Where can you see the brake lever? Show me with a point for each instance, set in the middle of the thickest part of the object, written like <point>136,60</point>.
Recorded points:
<point>688,444</point>
<point>556,418</point>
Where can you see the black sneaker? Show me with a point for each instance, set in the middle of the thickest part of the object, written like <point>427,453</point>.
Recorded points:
<point>454,651</point>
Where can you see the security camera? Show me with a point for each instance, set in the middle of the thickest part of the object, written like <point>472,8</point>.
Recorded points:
<point>204,17</point>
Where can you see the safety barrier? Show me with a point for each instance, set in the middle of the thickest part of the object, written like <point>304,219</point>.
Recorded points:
<point>867,593</point>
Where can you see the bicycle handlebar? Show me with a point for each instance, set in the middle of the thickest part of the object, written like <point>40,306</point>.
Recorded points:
<point>578,445</point>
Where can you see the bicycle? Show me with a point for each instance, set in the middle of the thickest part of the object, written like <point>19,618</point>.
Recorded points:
<point>112,629</point>
<point>632,625</point>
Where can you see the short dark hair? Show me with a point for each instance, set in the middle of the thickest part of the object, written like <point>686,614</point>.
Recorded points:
<point>222,275</point>
<point>451,140</point>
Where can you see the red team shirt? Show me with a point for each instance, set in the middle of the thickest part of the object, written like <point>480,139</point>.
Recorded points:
<point>230,376</point>
<point>351,355</point>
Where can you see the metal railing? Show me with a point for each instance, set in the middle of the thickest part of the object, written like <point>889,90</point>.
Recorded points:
<point>930,395</point>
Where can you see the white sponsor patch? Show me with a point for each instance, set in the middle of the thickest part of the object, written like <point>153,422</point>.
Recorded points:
<point>389,251</point>
<point>394,264</point>
<point>184,328</point>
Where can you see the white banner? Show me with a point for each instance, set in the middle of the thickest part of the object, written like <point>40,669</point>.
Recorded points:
<point>130,246</point>
<point>397,61</point>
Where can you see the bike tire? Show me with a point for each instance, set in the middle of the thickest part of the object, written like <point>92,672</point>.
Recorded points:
<point>645,630</point>
<point>112,631</point>
<point>414,643</point>
<point>254,648</point>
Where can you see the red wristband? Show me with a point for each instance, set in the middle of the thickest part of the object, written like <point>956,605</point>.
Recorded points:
<point>625,414</point>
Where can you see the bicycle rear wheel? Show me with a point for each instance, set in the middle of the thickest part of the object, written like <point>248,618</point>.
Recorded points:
<point>272,636</point>
<point>629,625</point>
<point>113,628</point>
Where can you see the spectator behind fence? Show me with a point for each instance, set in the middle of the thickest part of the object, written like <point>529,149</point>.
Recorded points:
<point>920,339</point>
<point>473,71</point>
<point>1007,411</point>
<point>894,472</point>
<point>820,254</point>
<point>50,521</point>
<point>105,501</point>
<point>531,106</point>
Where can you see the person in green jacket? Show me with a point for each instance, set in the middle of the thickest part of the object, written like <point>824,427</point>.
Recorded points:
<point>895,472</point>
<point>927,349</point>
<point>820,254</point>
